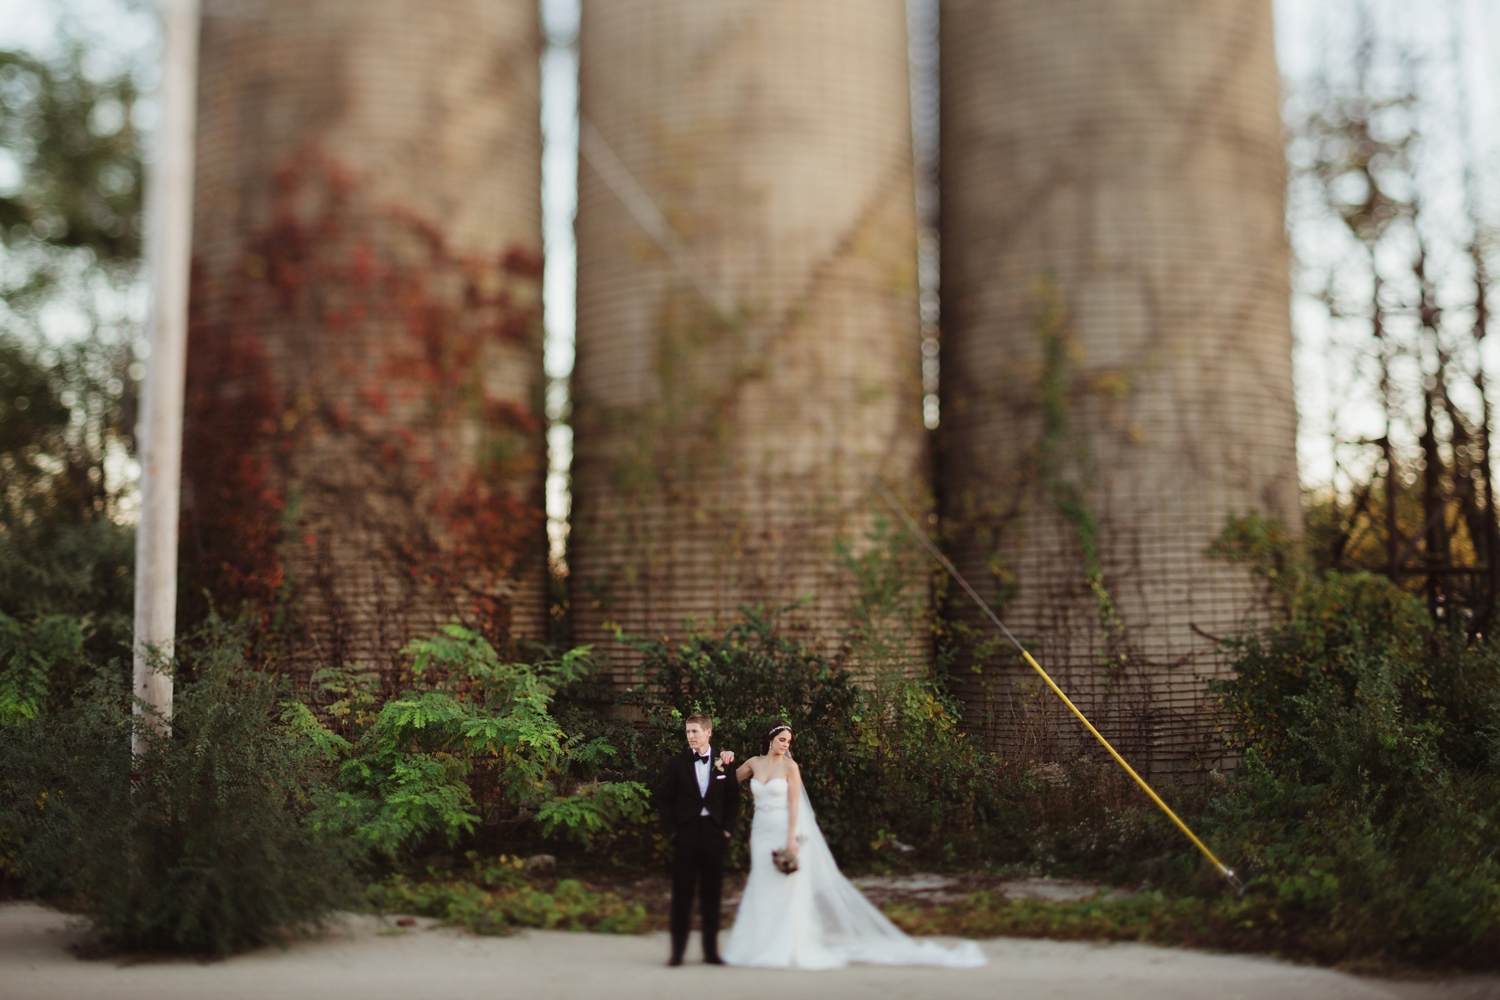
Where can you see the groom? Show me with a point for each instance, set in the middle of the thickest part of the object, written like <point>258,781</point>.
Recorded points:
<point>698,799</point>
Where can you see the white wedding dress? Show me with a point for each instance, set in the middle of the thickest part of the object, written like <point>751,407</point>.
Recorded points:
<point>815,918</point>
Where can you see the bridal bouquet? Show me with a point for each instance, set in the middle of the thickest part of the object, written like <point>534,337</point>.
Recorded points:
<point>784,860</point>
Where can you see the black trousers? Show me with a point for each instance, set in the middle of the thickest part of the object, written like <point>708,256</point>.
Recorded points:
<point>698,863</point>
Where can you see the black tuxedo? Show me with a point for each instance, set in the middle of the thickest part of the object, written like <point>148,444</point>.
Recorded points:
<point>677,797</point>
<point>698,842</point>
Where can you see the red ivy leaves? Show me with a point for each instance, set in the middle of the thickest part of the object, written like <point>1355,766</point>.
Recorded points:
<point>350,331</point>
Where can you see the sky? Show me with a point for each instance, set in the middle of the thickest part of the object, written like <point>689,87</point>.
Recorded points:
<point>123,33</point>
<point>1332,362</point>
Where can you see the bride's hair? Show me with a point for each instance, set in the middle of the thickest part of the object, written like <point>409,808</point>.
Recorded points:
<point>776,727</point>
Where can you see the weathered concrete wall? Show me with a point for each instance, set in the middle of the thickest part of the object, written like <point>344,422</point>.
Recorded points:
<point>364,455</point>
<point>1116,348</point>
<point>774,136</point>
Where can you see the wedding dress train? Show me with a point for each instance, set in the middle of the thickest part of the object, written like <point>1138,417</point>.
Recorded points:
<point>815,918</point>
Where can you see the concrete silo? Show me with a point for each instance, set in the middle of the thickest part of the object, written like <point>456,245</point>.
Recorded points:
<point>747,313</point>
<point>1116,349</point>
<point>363,453</point>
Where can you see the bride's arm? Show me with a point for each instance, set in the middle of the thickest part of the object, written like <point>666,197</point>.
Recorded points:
<point>745,770</point>
<point>793,803</point>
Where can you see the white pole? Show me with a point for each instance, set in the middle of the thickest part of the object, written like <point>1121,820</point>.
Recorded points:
<point>169,233</point>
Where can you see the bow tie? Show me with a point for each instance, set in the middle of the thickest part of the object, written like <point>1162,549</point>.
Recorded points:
<point>703,757</point>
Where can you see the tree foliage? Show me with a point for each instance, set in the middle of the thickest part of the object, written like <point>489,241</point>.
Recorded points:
<point>66,587</point>
<point>69,242</point>
<point>79,153</point>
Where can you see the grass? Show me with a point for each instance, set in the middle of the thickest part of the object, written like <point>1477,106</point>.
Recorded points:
<point>496,898</point>
<point>1253,924</point>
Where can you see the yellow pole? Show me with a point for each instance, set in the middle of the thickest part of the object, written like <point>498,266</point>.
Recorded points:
<point>937,554</point>
<point>1223,869</point>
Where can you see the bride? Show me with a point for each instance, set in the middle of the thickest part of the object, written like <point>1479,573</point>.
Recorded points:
<point>813,918</point>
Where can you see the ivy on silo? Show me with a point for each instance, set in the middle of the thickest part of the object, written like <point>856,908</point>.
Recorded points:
<point>357,329</point>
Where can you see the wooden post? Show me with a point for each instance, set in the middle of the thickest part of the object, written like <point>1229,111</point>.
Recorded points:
<point>169,231</point>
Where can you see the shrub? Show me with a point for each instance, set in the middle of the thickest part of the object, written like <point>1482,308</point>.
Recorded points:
<point>469,736</point>
<point>208,846</point>
<point>1369,793</point>
<point>884,759</point>
<point>744,679</point>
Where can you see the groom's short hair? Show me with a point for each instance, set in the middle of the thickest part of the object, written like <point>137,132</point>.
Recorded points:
<point>703,721</point>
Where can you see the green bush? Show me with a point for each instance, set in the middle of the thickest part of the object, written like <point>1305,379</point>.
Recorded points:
<point>201,844</point>
<point>1361,815</point>
<point>744,679</point>
<point>883,758</point>
<point>1369,794</point>
<point>470,736</point>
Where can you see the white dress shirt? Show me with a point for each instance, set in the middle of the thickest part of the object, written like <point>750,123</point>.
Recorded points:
<point>701,769</point>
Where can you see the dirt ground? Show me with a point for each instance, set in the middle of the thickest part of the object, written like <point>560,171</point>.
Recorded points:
<point>371,958</point>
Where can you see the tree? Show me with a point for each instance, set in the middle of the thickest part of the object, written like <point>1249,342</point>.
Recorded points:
<point>1409,280</point>
<point>69,246</point>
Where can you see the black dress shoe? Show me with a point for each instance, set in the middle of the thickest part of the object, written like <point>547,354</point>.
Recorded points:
<point>712,960</point>
<point>675,960</point>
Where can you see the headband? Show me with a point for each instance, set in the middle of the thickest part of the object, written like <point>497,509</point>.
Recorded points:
<point>777,729</point>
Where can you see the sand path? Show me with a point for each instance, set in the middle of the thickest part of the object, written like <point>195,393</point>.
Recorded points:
<point>370,959</point>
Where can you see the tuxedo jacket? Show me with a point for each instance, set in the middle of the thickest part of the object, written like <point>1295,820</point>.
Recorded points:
<point>678,800</point>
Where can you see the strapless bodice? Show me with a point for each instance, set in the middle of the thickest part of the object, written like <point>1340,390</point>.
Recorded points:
<point>769,795</point>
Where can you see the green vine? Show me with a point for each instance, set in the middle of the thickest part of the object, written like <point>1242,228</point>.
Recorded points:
<point>891,614</point>
<point>1059,444</point>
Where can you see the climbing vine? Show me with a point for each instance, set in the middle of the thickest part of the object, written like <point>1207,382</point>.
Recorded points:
<point>1060,446</point>
<point>362,444</point>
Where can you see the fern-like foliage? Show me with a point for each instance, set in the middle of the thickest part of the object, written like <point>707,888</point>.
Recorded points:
<point>29,655</point>
<point>408,771</point>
